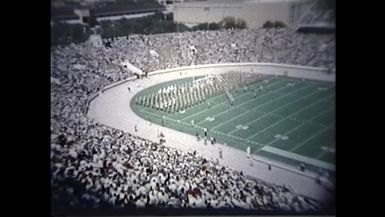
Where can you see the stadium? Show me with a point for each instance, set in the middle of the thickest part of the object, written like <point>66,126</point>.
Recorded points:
<point>231,123</point>
<point>224,119</point>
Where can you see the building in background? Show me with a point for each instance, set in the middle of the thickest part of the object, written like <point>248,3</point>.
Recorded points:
<point>300,14</point>
<point>254,12</point>
<point>80,11</point>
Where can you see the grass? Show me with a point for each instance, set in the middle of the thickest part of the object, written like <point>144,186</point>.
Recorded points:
<point>292,115</point>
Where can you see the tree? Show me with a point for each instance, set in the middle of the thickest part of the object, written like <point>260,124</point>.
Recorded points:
<point>241,24</point>
<point>279,24</point>
<point>77,33</point>
<point>159,15</point>
<point>203,26</point>
<point>170,16</point>
<point>63,34</point>
<point>228,22</point>
<point>214,26</point>
<point>181,27</point>
<point>232,23</point>
<point>93,21</point>
<point>268,25</point>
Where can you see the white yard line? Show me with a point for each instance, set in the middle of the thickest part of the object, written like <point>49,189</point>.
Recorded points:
<point>294,119</point>
<point>308,139</point>
<point>298,157</point>
<point>297,127</point>
<point>113,109</point>
<point>288,117</point>
<point>203,110</point>
<point>244,94</point>
<point>268,113</point>
<point>151,113</point>
<point>265,94</point>
<point>322,153</point>
<point>145,109</point>
<point>167,118</point>
<point>321,125</point>
<point>187,124</point>
<point>238,138</point>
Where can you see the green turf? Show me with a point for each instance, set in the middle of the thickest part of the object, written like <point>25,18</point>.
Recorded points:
<point>303,111</point>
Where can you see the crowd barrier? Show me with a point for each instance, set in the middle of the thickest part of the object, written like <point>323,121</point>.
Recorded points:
<point>312,73</point>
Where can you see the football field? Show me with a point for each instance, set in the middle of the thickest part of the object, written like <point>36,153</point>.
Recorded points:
<point>290,120</point>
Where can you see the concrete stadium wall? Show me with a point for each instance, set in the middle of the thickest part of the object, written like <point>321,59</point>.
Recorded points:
<point>129,16</point>
<point>71,21</point>
<point>312,73</point>
<point>118,83</point>
<point>94,95</point>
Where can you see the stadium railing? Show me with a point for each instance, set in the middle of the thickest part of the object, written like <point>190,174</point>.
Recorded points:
<point>312,73</point>
<point>307,72</point>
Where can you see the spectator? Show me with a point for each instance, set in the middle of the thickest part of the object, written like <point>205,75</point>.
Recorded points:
<point>97,166</point>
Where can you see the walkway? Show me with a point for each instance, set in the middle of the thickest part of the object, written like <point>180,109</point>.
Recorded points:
<point>112,108</point>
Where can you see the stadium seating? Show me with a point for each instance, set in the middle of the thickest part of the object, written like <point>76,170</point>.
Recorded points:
<point>96,166</point>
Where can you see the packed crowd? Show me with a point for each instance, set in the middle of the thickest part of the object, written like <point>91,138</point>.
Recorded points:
<point>96,166</point>
<point>209,47</point>
<point>113,169</point>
